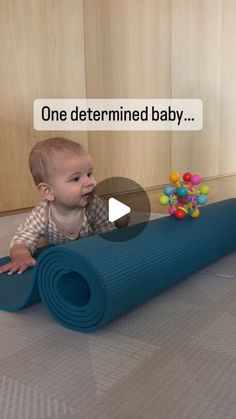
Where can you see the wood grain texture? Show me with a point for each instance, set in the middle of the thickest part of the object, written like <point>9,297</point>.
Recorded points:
<point>42,56</point>
<point>118,49</point>
<point>196,73</point>
<point>127,46</point>
<point>227,162</point>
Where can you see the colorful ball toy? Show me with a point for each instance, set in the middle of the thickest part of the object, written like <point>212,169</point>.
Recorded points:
<point>183,199</point>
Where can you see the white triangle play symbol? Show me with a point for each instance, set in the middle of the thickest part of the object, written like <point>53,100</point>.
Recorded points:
<point>117,209</point>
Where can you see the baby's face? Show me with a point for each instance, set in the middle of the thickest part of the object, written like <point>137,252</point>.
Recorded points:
<point>72,182</point>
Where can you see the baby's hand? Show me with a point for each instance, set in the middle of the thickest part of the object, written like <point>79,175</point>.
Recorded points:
<point>123,221</point>
<point>19,264</point>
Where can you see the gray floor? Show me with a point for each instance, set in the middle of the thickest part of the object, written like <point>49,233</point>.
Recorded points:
<point>172,358</point>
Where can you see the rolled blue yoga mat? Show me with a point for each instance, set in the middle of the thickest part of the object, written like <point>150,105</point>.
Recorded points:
<point>88,283</point>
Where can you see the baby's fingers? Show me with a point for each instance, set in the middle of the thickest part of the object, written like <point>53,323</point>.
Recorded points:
<point>5,268</point>
<point>13,269</point>
<point>17,267</point>
<point>32,262</point>
<point>23,268</point>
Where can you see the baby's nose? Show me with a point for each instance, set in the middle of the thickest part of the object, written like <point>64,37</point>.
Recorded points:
<point>90,182</point>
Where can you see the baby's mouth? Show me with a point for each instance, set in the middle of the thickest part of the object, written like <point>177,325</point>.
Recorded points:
<point>87,195</point>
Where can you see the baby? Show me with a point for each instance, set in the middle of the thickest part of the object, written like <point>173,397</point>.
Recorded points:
<point>63,173</point>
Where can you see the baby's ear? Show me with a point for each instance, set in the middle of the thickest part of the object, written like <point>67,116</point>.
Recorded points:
<point>45,191</point>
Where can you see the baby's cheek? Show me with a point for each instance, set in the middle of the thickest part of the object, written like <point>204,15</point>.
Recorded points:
<point>78,187</point>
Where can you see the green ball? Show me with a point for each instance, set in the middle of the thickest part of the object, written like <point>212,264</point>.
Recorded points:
<point>204,189</point>
<point>164,200</point>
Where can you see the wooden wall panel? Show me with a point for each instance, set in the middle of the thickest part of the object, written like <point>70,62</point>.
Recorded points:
<point>42,55</point>
<point>196,73</point>
<point>127,46</point>
<point>227,163</point>
<point>118,49</point>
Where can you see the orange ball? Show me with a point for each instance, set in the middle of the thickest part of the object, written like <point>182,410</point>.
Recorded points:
<point>174,177</point>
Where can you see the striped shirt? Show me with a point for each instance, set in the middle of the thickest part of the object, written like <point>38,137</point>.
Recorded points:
<point>41,223</point>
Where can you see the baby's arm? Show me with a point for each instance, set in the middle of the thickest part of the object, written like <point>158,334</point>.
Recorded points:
<point>98,214</point>
<point>24,244</point>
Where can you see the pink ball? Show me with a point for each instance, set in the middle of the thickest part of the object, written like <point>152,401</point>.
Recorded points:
<point>195,180</point>
<point>171,211</point>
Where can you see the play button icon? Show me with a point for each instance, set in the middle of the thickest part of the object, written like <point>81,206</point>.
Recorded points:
<point>127,205</point>
<point>117,209</point>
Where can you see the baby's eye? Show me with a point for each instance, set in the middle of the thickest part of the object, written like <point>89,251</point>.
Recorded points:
<point>76,179</point>
<point>89,174</point>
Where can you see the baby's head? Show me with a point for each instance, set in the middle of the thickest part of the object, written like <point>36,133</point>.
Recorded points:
<point>62,171</point>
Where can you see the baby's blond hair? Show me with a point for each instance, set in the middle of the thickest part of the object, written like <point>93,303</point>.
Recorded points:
<point>42,155</point>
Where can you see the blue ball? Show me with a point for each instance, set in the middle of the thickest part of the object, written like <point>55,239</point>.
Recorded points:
<point>181,192</point>
<point>168,190</point>
<point>202,199</point>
